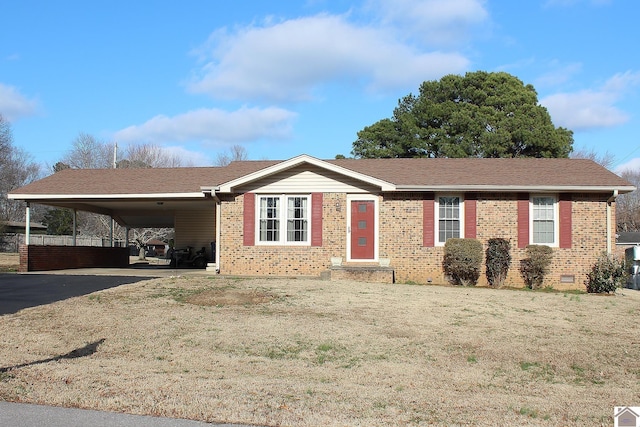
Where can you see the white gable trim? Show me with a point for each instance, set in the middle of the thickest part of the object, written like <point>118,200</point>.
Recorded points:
<point>229,187</point>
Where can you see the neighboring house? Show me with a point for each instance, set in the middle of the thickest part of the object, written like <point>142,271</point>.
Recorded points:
<point>292,217</point>
<point>155,247</point>
<point>626,240</point>
<point>12,227</point>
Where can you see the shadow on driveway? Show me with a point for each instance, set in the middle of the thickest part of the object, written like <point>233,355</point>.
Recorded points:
<point>18,291</point>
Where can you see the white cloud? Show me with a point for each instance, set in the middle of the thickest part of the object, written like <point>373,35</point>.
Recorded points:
<point>560,74</point>
<point>434,22</point>
<point>632,165</point>
<point>213,126</point>
<point>14,105</point>
<point>592,108</point>
<point>188,157</point>
<point>286,61</point>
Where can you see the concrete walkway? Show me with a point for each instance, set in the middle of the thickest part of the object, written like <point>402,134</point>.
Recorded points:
<point>26,415</point>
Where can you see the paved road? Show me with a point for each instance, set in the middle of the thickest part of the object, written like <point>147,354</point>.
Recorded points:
<point>25,415</point>
<point>18,291</point>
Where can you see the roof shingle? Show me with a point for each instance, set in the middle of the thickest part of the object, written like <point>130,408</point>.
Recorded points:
<point>522,172</point>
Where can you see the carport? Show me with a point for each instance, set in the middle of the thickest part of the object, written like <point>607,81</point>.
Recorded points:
<point>133,198</point>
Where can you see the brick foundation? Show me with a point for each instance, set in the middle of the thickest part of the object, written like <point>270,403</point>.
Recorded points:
<point>44,258</point>
<point>362,274</point>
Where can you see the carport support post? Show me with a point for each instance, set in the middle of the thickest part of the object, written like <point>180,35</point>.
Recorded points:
<point>111,226</point>
<point>75,226</point>
<point>27,225</point>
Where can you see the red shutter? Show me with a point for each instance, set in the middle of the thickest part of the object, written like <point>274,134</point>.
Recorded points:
<point>428,220</point>
<point>316,219</point>
<point>470,215</point>
<point>249,219</point>
<point>565,221</point>
<point>523,220</point>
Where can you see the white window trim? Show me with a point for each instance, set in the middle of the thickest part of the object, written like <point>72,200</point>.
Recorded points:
<point>375,200</point>
<point>437,216</point>
<point>556,219</point>
<point>282,241</point>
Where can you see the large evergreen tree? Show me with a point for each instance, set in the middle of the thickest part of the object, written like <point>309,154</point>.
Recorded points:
<point>480,114</point>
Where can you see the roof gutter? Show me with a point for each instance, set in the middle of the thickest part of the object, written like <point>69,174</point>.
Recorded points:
<point>516,188</point>
<point>610,200</point>
<point>142,196</point>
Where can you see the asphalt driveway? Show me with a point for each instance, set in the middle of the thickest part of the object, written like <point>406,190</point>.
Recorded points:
<point>18,291</point>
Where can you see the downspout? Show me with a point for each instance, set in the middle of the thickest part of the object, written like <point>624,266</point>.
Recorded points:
<point>75,226</point>
<point>609,201</point>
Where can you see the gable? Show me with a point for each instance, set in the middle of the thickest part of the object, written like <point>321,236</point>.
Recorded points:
<point>305,178</point>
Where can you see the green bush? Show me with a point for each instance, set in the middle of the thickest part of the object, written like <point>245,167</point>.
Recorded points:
<point>606,275</point>
<point>462,261</point>
<point>536,265</point>
<point>498,261</point>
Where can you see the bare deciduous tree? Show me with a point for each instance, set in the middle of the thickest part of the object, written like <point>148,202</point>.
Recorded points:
<point>88,152</point>
<point>628,205</point>
<point>16,169</point>
<point>232,154</point>
<point>149,156</point>
<point>606,160</point>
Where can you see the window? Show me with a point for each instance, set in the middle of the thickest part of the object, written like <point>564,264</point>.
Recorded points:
<point>297,222</point>
<point>283,219</point>
<point>449,218</point>
<point>269,219</point>
<point>543,230</point>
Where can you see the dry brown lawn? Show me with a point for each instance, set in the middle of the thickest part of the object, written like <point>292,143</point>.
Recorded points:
<point>315,353</point>
<point>9,262</point>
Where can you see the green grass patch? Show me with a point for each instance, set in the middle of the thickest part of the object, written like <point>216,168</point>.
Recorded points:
<point>529,412</point>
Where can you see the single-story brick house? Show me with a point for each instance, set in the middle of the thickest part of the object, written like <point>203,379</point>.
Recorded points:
<point>296,217</point>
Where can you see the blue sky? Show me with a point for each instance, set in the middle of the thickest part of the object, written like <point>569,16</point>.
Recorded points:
<point>287,77</point>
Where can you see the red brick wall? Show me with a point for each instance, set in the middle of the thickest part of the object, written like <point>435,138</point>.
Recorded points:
<point>401,239</point>
<point>44,258</point>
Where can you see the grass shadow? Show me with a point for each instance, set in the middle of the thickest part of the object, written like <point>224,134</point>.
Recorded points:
<point>87,350</point>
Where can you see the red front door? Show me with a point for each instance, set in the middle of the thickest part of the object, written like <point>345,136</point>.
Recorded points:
<point>362,229</point>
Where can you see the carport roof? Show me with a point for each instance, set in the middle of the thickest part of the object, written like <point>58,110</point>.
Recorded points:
<point>137,198</point>
<point>125,182</point>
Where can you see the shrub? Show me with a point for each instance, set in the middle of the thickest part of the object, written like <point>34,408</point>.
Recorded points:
<point>462,261</point>
<point>536,265</point>
<point>498,261</point>
<point>606,275</point>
